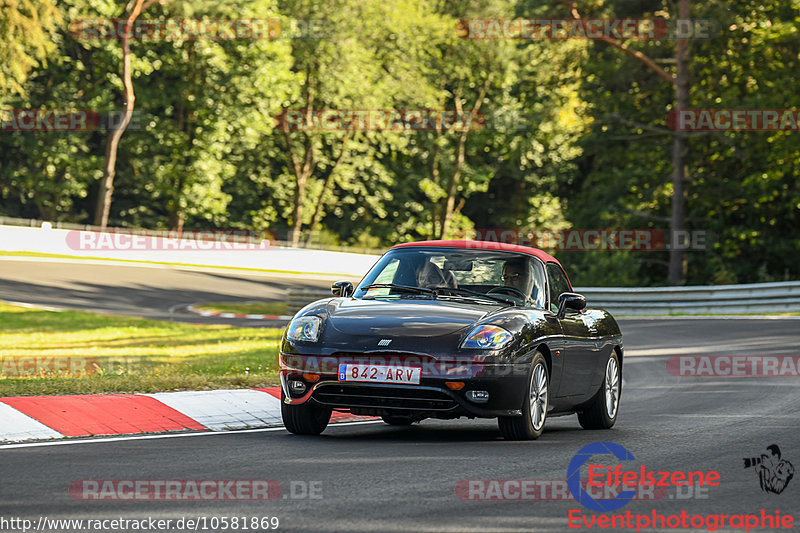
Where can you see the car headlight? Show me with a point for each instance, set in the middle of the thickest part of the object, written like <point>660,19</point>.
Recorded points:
<point>487,338</point>
<point>304,328</point>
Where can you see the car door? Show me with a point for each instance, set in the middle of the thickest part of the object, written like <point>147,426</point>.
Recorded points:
<point>578,349</point>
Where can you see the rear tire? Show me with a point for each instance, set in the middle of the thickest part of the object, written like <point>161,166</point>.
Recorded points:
<point>530,425</point>
<point>398,420</point>
<point>604,407</point>
<point>305,418</point>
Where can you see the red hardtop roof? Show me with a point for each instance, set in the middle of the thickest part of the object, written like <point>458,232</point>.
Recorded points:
<point>483,245</point>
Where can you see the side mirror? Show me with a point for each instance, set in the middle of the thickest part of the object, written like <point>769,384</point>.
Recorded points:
<point>570,300</point>
<point>342,288</point>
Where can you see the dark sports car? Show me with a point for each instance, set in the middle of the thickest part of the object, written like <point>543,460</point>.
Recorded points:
<point>444,329</point>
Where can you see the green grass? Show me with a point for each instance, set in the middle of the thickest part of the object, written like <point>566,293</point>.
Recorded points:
<point>74,352</point>
<point>250,308</point>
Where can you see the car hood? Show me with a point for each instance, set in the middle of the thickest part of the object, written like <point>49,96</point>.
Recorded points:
<point>403,318</point>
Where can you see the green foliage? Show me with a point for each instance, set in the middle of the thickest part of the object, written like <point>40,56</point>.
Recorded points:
<point>742,186</point>
<point>575,132</point>
<point>27,29</point>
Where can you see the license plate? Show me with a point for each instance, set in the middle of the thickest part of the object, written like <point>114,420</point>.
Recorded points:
<point>380,373</point>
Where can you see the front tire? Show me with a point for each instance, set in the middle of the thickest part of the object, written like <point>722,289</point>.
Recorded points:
<point>530,425</point>
<point>304,419</point>
<point>603,408</point>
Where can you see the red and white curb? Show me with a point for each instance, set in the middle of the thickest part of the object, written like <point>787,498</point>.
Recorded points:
<point>25,418</point>
<point>238,315</point>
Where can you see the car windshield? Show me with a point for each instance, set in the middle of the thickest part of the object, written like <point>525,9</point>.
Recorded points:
<point>484,275</point>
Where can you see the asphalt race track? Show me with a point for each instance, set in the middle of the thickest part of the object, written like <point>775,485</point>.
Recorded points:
<point>370,477</point>
<point>149,291</point>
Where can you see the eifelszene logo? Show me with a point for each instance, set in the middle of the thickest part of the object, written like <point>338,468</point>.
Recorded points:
<point>774,473</point>
<point>601,475</point>
<point>574,476</point>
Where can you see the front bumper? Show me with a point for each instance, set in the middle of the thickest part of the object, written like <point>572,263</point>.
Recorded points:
<point>506,384</point>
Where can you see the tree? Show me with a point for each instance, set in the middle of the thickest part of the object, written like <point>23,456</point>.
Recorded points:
<point>365,66</point>
<point>211,101</point>
<point>110,169</point>
<point>677,255</point>
<point>26,38</point>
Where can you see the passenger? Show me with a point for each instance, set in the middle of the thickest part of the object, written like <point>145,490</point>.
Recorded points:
<point>516,276</point>
<point>432,277</point>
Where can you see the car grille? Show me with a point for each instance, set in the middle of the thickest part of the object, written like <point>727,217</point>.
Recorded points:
<point>341,395</point>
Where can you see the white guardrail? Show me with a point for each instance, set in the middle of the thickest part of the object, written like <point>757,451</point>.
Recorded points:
<point>760,298</point>
<point>779,297</point>
<point>159,248</point>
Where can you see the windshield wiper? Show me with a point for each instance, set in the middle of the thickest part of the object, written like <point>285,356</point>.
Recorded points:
<point>440,290</point>
<point>402,288</point>
<point>475,293</point>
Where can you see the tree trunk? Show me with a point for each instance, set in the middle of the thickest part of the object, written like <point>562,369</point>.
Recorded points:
<point>435,175</point>
<point>315,220</point>
<point>677,253</point>
<point>450,201</point>
<point>103,207</point>
<point>176,220</point>
<point>677,258</point>
<point>449,210</point>
<point>297,212</point>
<point>302,171</point>
<point>177,214</point>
